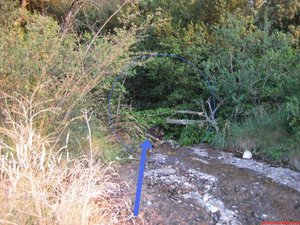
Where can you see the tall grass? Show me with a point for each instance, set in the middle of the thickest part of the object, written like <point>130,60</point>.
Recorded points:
<point>258,133</point>
<point>42,185</point>
<point>266,135</point>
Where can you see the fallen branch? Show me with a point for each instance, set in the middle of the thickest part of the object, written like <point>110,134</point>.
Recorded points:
<point>186,122</point>
<point>190,112</point>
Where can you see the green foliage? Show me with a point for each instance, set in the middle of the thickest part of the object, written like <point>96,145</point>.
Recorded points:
<point>276,154</point>
<point>63,71</point>
<point>164,82</point>
<point>110,151</point>
<point>249,52</point>
<point>293,109</point>
<point>249,67</point>
<point>153,117</point>
<point>190,135</point>
<point>186,11</point>
<point>266,135</point>
<point>284,15</point>
<point>94,14</point>
<point>156,118</point>
<point>253,67</point>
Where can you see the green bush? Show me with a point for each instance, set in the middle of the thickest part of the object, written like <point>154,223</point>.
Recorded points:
<point>251,68</point>
<point>293,109</point>
<point>190,135</point>
<point>63,71</point>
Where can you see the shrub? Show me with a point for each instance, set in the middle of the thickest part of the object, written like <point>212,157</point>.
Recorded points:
<point>248,67</point>
<point>38,61</point>
<point>190,135</point>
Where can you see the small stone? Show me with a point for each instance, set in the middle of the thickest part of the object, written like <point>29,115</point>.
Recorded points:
<point>199,218</point>
<point>206,197</point>
<point>213,209</point>
<point>148,203</point>
<point>247,155</point>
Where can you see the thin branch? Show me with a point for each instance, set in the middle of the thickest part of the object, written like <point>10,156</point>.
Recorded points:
<point>101,28</point>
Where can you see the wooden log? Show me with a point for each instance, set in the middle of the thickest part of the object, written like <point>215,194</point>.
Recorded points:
<point>185,122</point>
<point>190,112</point>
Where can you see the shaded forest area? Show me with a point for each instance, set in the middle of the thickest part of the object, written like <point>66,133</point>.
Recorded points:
<point>59,60</point>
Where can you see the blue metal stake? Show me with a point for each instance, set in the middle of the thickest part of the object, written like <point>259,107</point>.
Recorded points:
<point>145,146</point>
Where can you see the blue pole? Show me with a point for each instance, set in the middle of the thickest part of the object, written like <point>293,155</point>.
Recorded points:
<point>145,146</point>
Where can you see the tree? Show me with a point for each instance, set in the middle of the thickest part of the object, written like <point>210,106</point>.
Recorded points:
<point>283,15</point>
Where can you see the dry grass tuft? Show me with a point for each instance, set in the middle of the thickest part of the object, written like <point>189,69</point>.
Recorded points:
<point>43,186</point>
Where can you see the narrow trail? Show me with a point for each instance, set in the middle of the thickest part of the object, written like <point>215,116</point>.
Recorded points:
<point>207,186</point>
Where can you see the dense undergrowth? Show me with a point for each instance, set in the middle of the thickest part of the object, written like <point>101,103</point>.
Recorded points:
<point>251,58</point>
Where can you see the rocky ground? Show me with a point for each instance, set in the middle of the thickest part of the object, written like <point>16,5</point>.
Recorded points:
<point>200,185</point>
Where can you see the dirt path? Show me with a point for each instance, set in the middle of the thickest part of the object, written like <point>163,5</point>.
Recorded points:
<point>203,186</point>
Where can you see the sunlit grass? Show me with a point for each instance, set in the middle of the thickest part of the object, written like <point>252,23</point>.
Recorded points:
<point>39,185</point>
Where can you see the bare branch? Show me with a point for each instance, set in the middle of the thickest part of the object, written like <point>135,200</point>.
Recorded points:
<point>101,28</point>
<point>73,10</point>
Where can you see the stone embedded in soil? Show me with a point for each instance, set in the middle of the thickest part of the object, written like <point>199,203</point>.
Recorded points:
<point>200,160</point>
<point>215,206</point>
<point>160,172</point>
<point>200,152</point>
<point>148,203</point>
<point>202,176</point>
<point>169,182</point>
<point>159,158</point>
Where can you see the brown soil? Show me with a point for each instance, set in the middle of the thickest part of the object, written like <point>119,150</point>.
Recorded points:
<point>187,186</point>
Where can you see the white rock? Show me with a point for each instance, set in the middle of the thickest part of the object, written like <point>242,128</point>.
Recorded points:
<point>148,203</point>
<point>206,197</point>
<point>212,209</point>
<point>247,155</point>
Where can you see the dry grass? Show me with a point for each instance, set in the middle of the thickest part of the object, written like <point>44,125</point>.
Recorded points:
<point>41,185</point>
